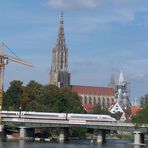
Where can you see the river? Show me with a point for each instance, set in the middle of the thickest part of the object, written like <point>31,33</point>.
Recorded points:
<point>71,144</point>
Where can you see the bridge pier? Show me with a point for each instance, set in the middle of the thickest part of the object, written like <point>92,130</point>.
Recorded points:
<point>138,137</point>
<point>3,133</point>
<point>1,127</point>
<point>63,135</point>
<point>22,132</point>
<point>101,137</point>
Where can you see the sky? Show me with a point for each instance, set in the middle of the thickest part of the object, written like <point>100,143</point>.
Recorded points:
<point>103,36</point>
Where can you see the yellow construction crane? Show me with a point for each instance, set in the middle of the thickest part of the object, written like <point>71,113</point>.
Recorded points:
<point>4,61</point>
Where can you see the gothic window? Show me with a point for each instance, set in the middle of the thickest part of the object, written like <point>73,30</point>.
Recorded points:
<point>85,100</point>
<point>90,100</point>
<point>82,100</point>
<point>108,103</point>
<point>112,100</point>
<point>95,101</point>
<point>65,60</point>
<point>103,103</point>
<point>61,60</point>
<point>99,101</point>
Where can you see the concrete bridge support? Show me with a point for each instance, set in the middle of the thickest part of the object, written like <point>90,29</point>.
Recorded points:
<point>1,127</point>
<point>3,133</point>
<point>138,138</point>
<point>63,135</point>
<point>22,132</point>
<point>101,136</point>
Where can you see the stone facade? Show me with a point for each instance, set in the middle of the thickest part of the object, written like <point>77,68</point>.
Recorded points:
<point>59,74</point>
<point>91,95</point>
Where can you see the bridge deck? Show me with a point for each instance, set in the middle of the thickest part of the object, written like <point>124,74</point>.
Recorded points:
<point>34,123</point>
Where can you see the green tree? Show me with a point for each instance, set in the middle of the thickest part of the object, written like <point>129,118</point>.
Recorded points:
<point>44,98</point>
<point>142,116</point>
<point>12,96</point>
<point>60,99</point>
<point>49,98</point>
<point>31,93</point>
<point>71,101</point>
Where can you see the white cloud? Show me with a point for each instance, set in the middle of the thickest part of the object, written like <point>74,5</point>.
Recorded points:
<point>103,12</point>
<point>68,4</point>
<point>75,4</point>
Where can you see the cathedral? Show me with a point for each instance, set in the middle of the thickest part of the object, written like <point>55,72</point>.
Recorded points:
<point>59,74</point>
<point>89,95</point>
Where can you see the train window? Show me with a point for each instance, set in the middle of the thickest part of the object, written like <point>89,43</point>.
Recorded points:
<point>83,117</point>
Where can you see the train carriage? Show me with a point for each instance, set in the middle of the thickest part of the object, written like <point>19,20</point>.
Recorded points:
<point>58,116</point>
<point>10,114</point>
<point>43,115</point>
<point>91,117</point>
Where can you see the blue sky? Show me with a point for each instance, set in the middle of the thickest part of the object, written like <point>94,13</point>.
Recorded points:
<point>101,35</point>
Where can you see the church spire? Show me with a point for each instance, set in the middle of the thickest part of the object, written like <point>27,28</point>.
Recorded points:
<point>121,78</point>
<point>112,81</point>
<point>59,75</point>
<point>122,91</point>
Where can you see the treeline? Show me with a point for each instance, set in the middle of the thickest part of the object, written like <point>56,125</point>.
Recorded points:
<point>38,97</point>
<point>44,98</point>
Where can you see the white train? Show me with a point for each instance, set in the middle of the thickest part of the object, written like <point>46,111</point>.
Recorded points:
<point>57,116</point>
<point>91,117</point>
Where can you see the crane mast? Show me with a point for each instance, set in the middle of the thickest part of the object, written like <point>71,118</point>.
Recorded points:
<point>4,58</point>
<point>3,62</point>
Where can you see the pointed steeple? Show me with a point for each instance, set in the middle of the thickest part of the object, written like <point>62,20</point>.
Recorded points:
<point>59,75</point>
<point>122,92</point>
<point>112,81</point>
<point>60,43</point>
<point>121,78</point>
<point>62,56</point>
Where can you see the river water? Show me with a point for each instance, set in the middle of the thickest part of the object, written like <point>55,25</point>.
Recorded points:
<point>71,144</point>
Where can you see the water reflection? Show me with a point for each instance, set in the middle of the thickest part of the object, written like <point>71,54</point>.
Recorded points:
<point>138,146</point>
<point>21,143</point>
<point>71,144</point>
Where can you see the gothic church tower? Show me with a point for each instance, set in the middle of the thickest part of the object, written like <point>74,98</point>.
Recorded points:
<point>59,74</point>
<point>122,92</point>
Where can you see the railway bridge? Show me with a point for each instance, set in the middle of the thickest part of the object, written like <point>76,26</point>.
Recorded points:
<point>102,127</point>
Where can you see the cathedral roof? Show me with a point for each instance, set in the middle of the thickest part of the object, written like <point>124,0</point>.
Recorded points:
<point>92,90</point>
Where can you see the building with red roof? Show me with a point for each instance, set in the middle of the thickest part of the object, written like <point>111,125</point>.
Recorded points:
<point>90,96</point>
<point>135,109</point>
<point>88,107</point>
